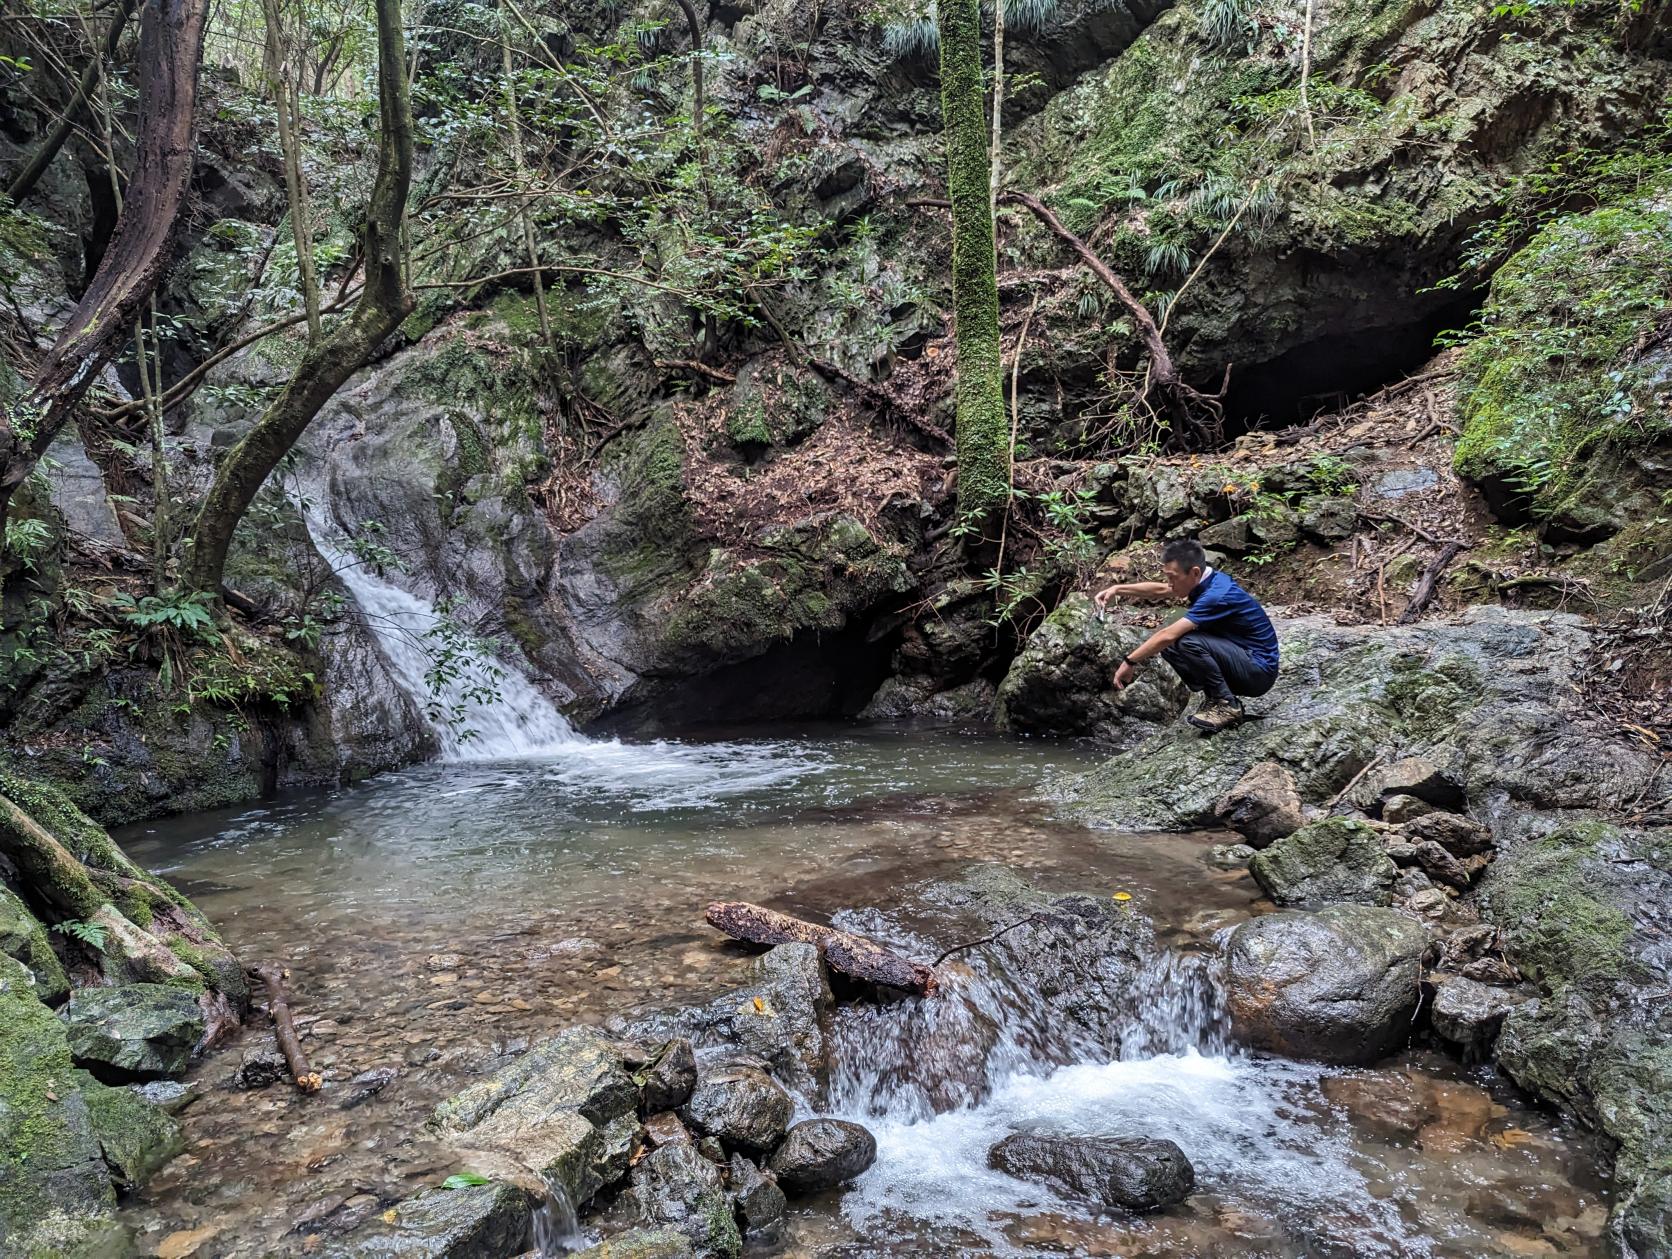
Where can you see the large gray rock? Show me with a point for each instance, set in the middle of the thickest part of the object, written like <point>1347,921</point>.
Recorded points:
<point>1133,1173</point>
<point>1264,805</point>
<point>1331,860</point>
<point>1062,681</point>
<point>1457,834</point>
<point>562,1111</point>
<point>1477,694</point>
<point>741,1105</point>
<point>490,1221</point>
<point>134,1031</point>
<point>676,1187</point>
<point>1340,985</point>
<point>819,1154</point>
<point>779,1016</point>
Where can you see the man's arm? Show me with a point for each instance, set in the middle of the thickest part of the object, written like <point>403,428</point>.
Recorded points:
<point>1154,645</point>
<point>1131,590</point>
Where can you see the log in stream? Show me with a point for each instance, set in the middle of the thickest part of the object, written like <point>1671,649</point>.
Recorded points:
<point>845,952</point>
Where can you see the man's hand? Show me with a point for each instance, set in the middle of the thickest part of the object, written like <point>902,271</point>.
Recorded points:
<point>1124,675</point>
<point>1102,597</point>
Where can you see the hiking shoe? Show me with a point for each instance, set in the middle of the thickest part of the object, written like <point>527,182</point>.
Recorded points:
<point>1216,715</point>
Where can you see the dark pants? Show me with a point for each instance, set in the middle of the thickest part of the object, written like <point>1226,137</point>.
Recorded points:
<point>1217,666</point>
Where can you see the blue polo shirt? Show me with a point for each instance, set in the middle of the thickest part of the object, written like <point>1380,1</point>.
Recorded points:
<point>1222,608</point>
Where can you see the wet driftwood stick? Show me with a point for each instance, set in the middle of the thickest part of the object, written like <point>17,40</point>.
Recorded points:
<point>852,955</point>
<point>284,1030</point>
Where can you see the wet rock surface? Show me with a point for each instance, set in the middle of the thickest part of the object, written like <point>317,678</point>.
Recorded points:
<point>675,1187</point>
<point>1264,805</point>
<point>488,1221</point>
<point>1468,1014</point>
<point>549,1111</point>
<point>778,1016</point>
<point>759,1201</point>
<point>740,1104</point>
<point>1328,861</point>
<point>1340,985</point>
<point>134,1031</point>
<point>819,1154</point>
<point>1131,1173</point>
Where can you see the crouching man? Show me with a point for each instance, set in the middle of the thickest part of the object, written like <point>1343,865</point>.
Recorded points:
<point>1223,646</point>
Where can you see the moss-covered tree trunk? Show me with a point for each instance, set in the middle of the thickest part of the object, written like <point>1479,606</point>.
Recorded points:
<point>328,363</point>
<point>983,438</point>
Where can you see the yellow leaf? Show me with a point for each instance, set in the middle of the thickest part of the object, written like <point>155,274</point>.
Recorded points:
<point>760,1006</point>
<point>1122,896</point>
<point>389,1216</point>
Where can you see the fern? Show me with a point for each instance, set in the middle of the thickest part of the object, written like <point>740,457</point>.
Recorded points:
<point>1226,23</point>
<point>92,934</point>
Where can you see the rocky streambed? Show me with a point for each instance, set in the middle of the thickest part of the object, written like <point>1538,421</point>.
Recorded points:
<point>504,980</point>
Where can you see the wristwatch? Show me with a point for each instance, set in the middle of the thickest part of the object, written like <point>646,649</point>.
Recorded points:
<point>1129,662</point>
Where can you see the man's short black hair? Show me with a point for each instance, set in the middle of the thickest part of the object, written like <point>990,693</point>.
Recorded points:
<point>1187,553</point>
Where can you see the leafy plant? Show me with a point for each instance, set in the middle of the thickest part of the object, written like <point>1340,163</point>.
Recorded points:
<point>1226,23</point>
<point>27,540</point>
<point>464,1180</point>
<point>187,615</point>
<point>92,934</point>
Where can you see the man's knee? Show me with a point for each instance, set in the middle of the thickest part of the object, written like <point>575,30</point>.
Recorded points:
<point>1184,649</point>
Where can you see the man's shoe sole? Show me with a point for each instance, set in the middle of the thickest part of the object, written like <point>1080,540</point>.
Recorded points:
<point>1213,728</point>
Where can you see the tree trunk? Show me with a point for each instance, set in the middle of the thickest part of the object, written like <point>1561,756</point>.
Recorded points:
<point>327,364</point>
<point>850,954</point>
<point>279,79</point>
<point>24,183</point>
<point>513,117</point>
<point>983,481</point>
<point>170,49</point>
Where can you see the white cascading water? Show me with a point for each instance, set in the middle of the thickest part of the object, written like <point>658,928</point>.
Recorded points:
<point>488,710</point>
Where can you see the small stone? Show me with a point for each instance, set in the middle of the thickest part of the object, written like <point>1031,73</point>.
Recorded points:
<point>820,1154</point>
<point>1409,883</point>
<point>666,1129</point>
<point>186,1242</point>
<point>668,1081</point>
<point>1441,866</point>
<point>759,1201</point>
<point>1431,903</point>
<point>367,1085</point>
<point>1229,856</point>
<point>1457,834</point>
<point>1421,777</point>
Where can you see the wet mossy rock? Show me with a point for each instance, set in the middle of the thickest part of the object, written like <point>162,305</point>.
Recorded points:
<point>55,1189</point>
<point>675,1187</point>
<point>1335,859</point>
<point>134,1031</point>
<point>24,938</point>
<point>135,1136</point>
<point>1477,694</point>
<point>1341,984</point>
<point>490,1221</point>
<point>1062,681</point>
<point>557,1111</point>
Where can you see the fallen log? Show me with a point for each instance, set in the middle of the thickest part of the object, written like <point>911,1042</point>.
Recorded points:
<point>1426,584</point>
<point>845,952</point>
<point>284,1029</point>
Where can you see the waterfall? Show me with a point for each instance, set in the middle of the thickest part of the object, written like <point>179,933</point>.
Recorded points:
<point>478,709</point>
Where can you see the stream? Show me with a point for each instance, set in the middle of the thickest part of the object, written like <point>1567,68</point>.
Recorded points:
<point>439,920</point>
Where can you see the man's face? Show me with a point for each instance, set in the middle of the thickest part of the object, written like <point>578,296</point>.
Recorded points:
<point>1180,581</point>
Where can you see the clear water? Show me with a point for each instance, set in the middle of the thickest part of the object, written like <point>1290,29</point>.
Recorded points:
<point>437,920</point>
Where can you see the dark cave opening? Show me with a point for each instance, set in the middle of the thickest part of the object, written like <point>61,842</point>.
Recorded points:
<point>1332,371</point>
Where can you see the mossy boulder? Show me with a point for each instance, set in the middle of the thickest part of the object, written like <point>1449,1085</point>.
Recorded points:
<point>23,937</point>
<point>1563,384</point>
<point>134,1031</point>
<point>675,1187</point>
<point>1062,681</point>
<point>135,1137</point>
<point>1335,859</point>
<point>54,1186</point>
